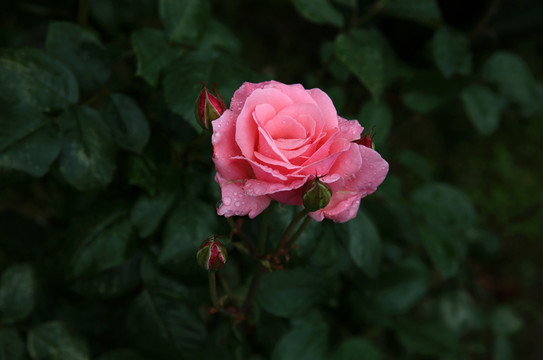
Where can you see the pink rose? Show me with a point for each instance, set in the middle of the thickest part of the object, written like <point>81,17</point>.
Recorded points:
<point>276,137</point>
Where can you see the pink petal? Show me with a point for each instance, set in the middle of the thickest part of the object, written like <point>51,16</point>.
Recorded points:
<point>325,104</point>
<point>350,129</point>
<point>348,163</point>
<point>285,127</point>
<point>236,202</point>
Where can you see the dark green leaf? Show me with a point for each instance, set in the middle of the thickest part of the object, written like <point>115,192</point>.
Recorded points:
<point>163,325</point>
<point>376,117</point>
<point>445,250</point>
<point>416,163</point>
<point>81,51</point>
<point>148,212</point>
<point>356,349</point>
<point>17,293</point>
<point>444,204</point>
<point>120,354</point>
<point>363,243</point>
<point>505,321</point>
<point>514,79</point>
<point>483,108</point>
<point>365,54</point>
<point>184,20</point>
<point>142,171</point>
<point>290,292</point>
<point>31,77</point>
<point>153,53</point>
<point>127,122</point>
<point>12,346</point>
<point>459,312</point>
<point>108,244</point>
<point>87,160</point>
<point>182,82</point>
<point>319,12</point>
<point>110,283</point>
<point>423,11</point>
<point>451,52</point>
<point>502,349</point>
<point>218,36</point>
<point>28,142</point>
<point>55,341</point>
<point>398,289</point>
<point>430,338</point>
<point>307,341</point>
<point>188,226</point>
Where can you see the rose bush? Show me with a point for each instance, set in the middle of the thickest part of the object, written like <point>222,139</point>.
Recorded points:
<point>276,137</point>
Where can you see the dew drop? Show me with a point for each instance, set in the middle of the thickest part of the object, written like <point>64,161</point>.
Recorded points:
<point>227,201</point>
<point>237,203</point>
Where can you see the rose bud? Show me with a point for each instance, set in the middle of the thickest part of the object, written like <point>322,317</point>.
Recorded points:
<point>367,140</point>
<point>316,195</point>
<point>208,107</point>
<point>212,254</point>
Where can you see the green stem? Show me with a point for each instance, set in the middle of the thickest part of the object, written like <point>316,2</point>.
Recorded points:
<point>213,288</point>
<point>298,232</point>
<point>286,235</point>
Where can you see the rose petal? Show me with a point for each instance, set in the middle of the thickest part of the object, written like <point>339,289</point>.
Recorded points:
<point>329,113</point>
<point>350,129</point>
<point>307,114</point>
<point>236,202</point>
<point>285,127</point>
<point>348,163</point>
<point>247,126</point>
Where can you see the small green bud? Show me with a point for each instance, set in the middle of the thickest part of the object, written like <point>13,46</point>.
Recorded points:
<point>212,254</point>
<point>316,195</point>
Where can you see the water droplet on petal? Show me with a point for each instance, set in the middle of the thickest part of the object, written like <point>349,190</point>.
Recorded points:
<point>227,201</point>
<point>237,203</point>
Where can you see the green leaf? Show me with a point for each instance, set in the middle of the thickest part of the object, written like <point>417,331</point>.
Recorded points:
<point>445,250</point>
<point>120,354</point>
<point>17,293</point>
<point>428,338</point>
<point>110,283</point>
<point>153,53</point>
<point>108,244</point>
<point>451,52</point>
<point>81,51</point>
<point>459,312</point>
<point>291,292</point>
<point>416,164</point>
<point>55,341</point>
<point>514,79</point>
<point>356,349</point>
<point>218,36</point>
<point>423,11</point>
<point>505,321</point>
<point>365,55</point>
<point>126,121</point>
<point>398,289</point>
<point>188,226</point>
<point>307,341</point>
<point>148,212</point>
<point>28,142</point>
<point>12,346</point>
<point>182,82</point>
<point>483,108</point>
<point>184,20</point>
<point>163,325</point>
<point>319,12</point>
<point>363,243</point>
<point>444,204</point>
<point>377,118</point>
<point>31,77</point>
<point>502,348</point>
<point>87,160</point>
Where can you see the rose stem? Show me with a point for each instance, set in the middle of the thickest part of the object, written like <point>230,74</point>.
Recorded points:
<point>213,289</point>
<point>286,235</point>
<point>260,269</point>
<point>298,232</point>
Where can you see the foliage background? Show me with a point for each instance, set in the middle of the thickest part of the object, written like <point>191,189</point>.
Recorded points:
<point>106,185</point>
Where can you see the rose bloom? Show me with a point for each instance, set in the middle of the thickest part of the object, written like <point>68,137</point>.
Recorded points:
<point>276,137</point>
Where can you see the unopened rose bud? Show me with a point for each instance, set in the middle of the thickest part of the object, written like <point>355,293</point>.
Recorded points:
<point>212,254</point>
<point>316,195</point>
<point>208,107</point>
<point>367,140</point>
